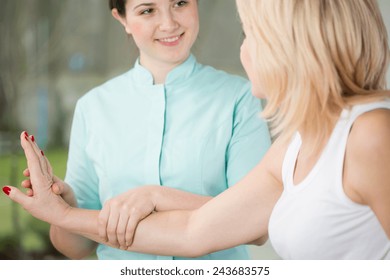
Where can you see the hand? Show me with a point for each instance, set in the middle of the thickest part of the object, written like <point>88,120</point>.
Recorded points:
<point>120,216</point>
<point>39,201</point>
<point>59,187</point>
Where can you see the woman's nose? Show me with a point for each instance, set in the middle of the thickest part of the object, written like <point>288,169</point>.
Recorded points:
<point>168,22</point>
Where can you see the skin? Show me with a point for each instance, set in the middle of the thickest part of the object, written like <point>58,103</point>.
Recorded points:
<point>246,61</point>
<point>180,232</point>
<point>197,232</point>
<point>163,30</point>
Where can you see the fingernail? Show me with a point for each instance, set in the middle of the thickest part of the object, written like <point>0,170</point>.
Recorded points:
<point>32,138</point>
<point>6,190</point>
<point>42,153</point>
<point>25,134</point>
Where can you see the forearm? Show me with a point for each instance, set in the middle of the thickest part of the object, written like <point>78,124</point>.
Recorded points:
<point>224,222</point>
<point>237,216</point>
<point>168,233</point>
<point>171,226</point>
<point>167,198</point>
<point>73,246</point>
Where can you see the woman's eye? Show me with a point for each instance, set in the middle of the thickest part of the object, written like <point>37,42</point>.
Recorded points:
<point>146,11</point>
<point>181,3</point>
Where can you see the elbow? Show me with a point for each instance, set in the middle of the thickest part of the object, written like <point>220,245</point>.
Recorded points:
<point>196,248</point>
<point>193,247</point>
<point>71,248</point>
<point>260,241</point>
<point>194,252</point>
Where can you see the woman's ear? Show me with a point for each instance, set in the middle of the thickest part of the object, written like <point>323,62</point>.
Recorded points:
<point>121,19</point>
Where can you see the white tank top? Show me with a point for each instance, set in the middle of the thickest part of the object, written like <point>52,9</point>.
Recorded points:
<point>315,219</point>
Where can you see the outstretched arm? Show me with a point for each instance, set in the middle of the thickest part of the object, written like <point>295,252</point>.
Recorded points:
<point>135,205</point>
<point>120,215</point>
<point>239,215</point>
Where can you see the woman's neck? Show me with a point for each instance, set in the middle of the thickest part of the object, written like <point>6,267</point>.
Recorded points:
<point>158,69</point>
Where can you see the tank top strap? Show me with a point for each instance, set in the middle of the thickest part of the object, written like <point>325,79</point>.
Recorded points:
<point>331,160</point>
<point>360,109</point>
<point>290,159</point>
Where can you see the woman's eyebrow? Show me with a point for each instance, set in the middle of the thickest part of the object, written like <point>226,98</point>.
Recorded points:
<point>147,4</point>
<point>143,4</point>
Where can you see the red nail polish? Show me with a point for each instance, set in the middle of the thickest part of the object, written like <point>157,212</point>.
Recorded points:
<point>42,153</point>
<point>25,137</point>
<point>25,134</point>
<point>32,138</point>
<point>6,190</point>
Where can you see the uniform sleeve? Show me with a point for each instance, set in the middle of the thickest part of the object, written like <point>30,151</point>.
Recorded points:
<point>80,173</point>
<point>250,139</point>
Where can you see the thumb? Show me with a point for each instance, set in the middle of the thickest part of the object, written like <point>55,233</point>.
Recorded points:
<point>57,189</point>
<point>16,195</point>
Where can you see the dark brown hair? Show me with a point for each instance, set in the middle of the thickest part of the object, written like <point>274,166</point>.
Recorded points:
<point>120,5</point>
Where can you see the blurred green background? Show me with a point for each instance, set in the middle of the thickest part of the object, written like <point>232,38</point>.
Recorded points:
<point>21,235</point>
<point>51,53</point>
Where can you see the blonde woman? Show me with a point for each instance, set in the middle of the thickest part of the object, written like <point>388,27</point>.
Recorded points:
<point>323,189</point>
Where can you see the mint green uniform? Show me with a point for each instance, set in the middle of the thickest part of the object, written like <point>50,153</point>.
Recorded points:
<point>199,132</point>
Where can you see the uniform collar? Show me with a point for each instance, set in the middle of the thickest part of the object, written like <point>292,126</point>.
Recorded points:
<point>177,75</point>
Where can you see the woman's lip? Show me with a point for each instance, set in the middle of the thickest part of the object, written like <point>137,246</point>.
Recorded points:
<point>169,41</point>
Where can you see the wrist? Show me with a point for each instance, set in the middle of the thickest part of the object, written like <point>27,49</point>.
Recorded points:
<point>63,215</point>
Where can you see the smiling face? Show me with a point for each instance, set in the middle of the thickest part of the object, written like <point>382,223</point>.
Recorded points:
<point>163,30</point>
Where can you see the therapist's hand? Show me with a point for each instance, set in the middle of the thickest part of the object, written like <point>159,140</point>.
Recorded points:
<point>120,215</point>
<point>40,201</point>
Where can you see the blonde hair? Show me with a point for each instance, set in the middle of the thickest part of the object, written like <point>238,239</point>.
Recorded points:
<point>314,58</point>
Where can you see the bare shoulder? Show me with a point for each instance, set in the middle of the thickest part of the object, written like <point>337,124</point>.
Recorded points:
<point>367,161</point>
<point>370,134</point>
<point>371,128</point>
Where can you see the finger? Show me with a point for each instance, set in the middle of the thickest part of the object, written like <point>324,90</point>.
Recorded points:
<point>30,192</point>
<point>49,168</point>
<point>121,229</point>
<point>32,153</point>
<point>45,160</point>
<point>57,189</point>
<point>26,183</point>
<point>26,173</point>
<point>39,153</point>
<point>111,227</point>
<point>17,196</point>
<point>45,165</point>
<point>34,145</point>
<point>33,162</point>
<point>131,227</point>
